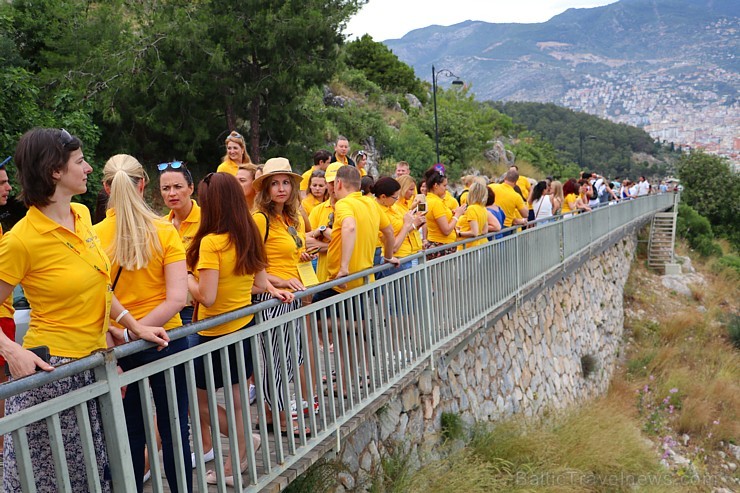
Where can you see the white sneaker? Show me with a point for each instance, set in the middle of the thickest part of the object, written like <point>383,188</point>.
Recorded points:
<point>148,475</point>
<point>207,457</point>
<point>252,394</point>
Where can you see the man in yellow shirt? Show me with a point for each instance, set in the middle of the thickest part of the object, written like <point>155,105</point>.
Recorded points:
<point>341,149</point>
<point>509,200</point>
<point>321,161</point>
<point>357,221</point>
<point>321,222</point>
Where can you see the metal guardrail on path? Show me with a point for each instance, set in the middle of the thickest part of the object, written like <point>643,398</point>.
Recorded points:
<point>380,331</point>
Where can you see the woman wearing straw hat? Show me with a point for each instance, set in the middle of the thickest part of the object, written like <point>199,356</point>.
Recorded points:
<point>277,215</point>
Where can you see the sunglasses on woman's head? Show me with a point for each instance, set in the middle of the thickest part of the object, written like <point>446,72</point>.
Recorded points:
<point>207,178</point>
<point>170,165</point>
<point>5,161</point>
<point>65,138</point>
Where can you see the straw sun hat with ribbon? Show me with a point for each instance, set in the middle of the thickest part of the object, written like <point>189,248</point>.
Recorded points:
<point>275,166</point>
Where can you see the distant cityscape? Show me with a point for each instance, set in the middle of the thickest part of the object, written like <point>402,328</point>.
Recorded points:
<point>689,106</point>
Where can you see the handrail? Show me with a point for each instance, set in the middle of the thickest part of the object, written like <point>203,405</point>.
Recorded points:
<point>407,317</point>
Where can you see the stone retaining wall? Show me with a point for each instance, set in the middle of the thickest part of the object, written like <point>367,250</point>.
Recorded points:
<point>527,361</point>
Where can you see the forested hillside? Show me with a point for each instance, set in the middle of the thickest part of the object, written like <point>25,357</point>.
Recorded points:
<point>158,80</point>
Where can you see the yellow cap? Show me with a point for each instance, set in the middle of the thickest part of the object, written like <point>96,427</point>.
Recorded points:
<point>331,171</point>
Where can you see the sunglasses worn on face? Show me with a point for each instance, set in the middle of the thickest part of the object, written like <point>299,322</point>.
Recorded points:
<point>5,161</point>
<point>294,233</point>
<point>65,138</point>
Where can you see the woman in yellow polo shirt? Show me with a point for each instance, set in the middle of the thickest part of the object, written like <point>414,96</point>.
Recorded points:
<point>317,191</point>
<point>227,260</point>
<point>282,227</point>
<point>405,223</point>
<point>236,154</point>
<point>56,256</point>
<point>148,268</point>
<point>570,197</point>
<point>441,220</point>
<point>176,187</point>
<point>246,175</point>
<point>474,222</point>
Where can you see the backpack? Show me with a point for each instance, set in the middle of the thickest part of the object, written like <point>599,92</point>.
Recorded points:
<point>267,226</point>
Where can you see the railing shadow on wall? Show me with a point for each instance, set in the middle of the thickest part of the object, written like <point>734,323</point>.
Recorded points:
<point>381,332</point>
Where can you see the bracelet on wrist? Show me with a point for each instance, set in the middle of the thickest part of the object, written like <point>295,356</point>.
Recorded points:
<point>126,337</point>
<point>121,315</point>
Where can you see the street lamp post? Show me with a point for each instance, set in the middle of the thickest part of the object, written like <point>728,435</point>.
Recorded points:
<point>456,82</point>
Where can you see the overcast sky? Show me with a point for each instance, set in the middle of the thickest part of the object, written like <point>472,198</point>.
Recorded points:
<point>391,19</point>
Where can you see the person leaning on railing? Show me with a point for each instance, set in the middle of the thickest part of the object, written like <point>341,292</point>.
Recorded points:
<point>474,222</point>
<point>227,258</point>
<point>176,187</point>
<point>441,220</point>
<point>283,230</point>
<point>405,223</point>
<point>571,190</point>
<point>56,256</point>
<point>150,278</point>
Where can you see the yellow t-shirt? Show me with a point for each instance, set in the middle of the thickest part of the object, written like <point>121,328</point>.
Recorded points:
<point>234,291</point>
<point>524,186</point>
<point>464,196</point>
<point>369,221</point>
<point>141,291</point>
<point>395,216</point>
<point>65,276</point>
<point>228,166</point>
<point>320,217</point>
<point>450,201</point>
<point>414,237</point>
<point>571,197</point>
<point>189,226</point>
<point>508,200</point>
<point>306,178</point>
<point>282,252</point>
<point>362,172</point>
<point>309,203</point>
<point>6,309</point>
<point>437,208</point>
<point>477,213</point>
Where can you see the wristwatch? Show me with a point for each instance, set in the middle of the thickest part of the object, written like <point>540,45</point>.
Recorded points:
<point>321,230</point>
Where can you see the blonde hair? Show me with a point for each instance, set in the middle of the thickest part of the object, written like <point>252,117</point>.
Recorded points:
<point>406,183</point>
<point>136,235</point>
<point>557,192</point>
<point>251,168</point>
<point>467,180</point>
<point>478,194</point>
<point>238,139</point>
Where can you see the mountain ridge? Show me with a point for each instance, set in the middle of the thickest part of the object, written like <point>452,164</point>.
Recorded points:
<point>651,63</point>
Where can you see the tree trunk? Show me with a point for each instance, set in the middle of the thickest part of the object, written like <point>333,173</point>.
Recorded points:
<point>254,128</point>
<point>230,117</point>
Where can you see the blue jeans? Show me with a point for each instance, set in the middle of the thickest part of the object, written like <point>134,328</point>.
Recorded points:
<point>135,418</point>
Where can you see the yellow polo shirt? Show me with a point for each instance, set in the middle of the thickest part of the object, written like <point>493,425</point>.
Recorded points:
<point>450,201</point>
<point>234,291</point>
<point>464,196</point>
<point>6,309</point>
<point>189,226</point>
<point>320,217</point>
<point>509,201</point>
<point>477,213</point>
<point>571,197</point>
<point>141,291</point>
<point>65,276</point>
<point>524,186</point>
<point>306,178</point>
<point>395,216</point>
<point>437,208</point>
<point>228,166</point>
<point>309,203</point>
<point>368,221</point>
<point>362,172</point>
<point>414,237</point>
<point>282,252</point>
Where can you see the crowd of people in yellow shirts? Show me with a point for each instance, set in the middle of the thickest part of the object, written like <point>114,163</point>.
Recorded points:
<point>255,233</point>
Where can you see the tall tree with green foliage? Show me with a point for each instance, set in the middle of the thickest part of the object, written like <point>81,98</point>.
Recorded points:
<point>712,188</point>
<point>382,66</point>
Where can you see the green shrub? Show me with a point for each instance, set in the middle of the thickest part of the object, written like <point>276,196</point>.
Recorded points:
<point>452,426</point>
<point>691,224</point>
<point>705,246</point>
<point>733,329</point>
<point>730,262</point>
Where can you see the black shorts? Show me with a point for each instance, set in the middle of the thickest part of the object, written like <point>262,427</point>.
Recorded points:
<point>218,377</point>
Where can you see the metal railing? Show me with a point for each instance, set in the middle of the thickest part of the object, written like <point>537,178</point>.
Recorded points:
<point>380,331</point>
